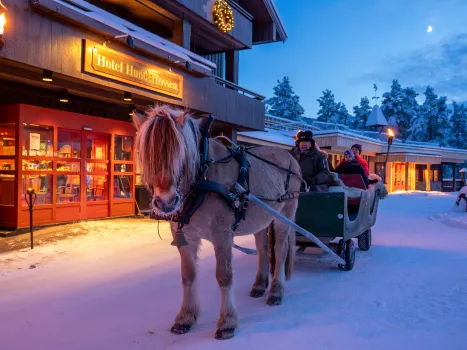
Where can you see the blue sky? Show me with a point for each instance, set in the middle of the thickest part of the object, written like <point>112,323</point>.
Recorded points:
<point>347,45</point>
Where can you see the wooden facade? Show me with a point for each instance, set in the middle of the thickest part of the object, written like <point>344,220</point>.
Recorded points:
<point>172,53</point>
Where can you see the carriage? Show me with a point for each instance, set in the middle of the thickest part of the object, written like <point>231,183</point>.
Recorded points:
<point>335,215</point>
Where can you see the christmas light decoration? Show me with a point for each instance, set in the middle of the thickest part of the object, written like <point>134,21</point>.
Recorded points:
<point>223,16</point>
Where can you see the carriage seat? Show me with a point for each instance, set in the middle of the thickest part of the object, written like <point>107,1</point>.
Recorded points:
<point>353,180</point>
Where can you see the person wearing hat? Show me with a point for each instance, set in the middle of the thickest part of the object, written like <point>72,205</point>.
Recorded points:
<point>312,161</point>
<point>357,151</point>
<point>350,166</point>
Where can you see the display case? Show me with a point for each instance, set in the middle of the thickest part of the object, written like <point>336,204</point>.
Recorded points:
<point>68,188</point>
<point>7,139</point>
<point>37,140</point>
<point>123,186</point>
<point>42,186</point>
<point>69,144</point>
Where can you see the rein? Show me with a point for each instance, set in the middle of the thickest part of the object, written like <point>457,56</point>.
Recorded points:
<point>237,201</point>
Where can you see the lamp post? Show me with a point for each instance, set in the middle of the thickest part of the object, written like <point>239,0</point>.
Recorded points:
<point>30,199</point>
<point>390,139</point>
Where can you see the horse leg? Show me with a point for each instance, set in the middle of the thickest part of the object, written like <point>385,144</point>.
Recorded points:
<point>262,276</point>
<point>189,310</point>
<point>227,322</point>
<point>281,232</point>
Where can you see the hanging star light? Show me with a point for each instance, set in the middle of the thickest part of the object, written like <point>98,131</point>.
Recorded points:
<point>223,16</point>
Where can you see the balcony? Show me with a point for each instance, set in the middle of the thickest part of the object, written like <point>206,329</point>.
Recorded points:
<point>237,105</point>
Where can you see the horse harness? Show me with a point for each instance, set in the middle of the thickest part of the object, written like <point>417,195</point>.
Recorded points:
<point>237,201</point>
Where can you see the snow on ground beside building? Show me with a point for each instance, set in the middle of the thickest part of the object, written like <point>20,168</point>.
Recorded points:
<point>456,216</point>
<point>118,287</point>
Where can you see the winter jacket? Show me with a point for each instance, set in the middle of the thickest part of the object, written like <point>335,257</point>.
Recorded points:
<point>352,167</point>
<point>362,162</point>
<point>314,166</point>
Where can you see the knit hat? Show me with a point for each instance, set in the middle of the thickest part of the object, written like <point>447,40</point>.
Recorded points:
<point>306,135</point>
<point>358,146</point>
<point>349,153</point>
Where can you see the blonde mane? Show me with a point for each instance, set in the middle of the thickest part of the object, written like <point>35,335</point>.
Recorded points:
<point>167,146</point>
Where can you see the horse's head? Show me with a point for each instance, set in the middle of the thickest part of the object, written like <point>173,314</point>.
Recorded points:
<point>167,146</point>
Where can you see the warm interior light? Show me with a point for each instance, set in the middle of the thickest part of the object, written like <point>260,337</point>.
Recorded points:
<point>390,133</point>
<point>47,75</point>
<point>2,23</point>
<point>127,96</point>
<point>63,96</point>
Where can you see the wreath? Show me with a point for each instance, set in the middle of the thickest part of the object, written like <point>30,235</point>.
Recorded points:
<point>223,16</point>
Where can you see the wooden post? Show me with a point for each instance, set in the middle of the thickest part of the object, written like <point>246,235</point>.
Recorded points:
<point>407,176</point>
<point>427,177</point>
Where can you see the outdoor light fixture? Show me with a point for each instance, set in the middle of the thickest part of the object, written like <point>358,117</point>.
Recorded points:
<point>127,96</point>
<point>390,139</point>
<point>47,75</point>
<point>131,110</point>
<point>63,96</point>
<point>30,199</point>
<point>2,22</point>
<point>128,39</point>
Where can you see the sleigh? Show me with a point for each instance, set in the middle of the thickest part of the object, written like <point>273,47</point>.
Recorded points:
<point>335,219</point>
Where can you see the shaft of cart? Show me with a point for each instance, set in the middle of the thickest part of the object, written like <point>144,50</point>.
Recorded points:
<point>289,222</point>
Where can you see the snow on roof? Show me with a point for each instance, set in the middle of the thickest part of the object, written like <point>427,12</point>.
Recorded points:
<point>376,117</point>
<point>139,33</point>
<point>276,136</point>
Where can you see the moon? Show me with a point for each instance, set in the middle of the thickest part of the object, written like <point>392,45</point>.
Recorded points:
<point>430,29</point>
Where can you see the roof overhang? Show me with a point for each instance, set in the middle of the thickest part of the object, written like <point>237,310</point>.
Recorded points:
<point>88,16</point>
<point>410,157</point>
<point>267,24</point>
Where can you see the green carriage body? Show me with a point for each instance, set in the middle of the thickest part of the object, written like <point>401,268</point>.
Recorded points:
<point>327,215</point>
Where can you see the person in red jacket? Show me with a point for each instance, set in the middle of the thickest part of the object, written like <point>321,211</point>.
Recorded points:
<point>357,151</point>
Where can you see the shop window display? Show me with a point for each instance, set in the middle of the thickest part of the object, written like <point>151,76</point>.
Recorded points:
<point>96,187</point>
<point>97,147</point>
<point>69,144</point>
<point>37,141</point>
<point>123,186</point>
<point>37,165</point>
<point>7,139</point>
<point>42,185</point>
<point>68,188</point>
<point>123,148</point>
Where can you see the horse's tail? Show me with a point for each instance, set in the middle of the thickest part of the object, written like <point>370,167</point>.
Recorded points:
<point>290,259</point>
<point>272,251</point>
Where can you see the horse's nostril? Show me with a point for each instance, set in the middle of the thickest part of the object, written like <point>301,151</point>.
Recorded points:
<point>156,202</point>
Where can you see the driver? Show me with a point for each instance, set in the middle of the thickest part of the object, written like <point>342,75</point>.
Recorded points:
<point>312,162</point>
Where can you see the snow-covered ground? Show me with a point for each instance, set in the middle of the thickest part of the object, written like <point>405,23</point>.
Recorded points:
<point>119,287</point>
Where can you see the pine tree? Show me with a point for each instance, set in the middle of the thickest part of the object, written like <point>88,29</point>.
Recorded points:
<point>328,107</point>
<point>391,105</point>
<point>285,103</point>
<point>342,116</point>
<point>408,113</point>
<point>361,114</point>
<point>432,122</point>
<point>458,134</point>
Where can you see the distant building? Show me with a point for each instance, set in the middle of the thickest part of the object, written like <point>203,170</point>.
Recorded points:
<point>411,165</point>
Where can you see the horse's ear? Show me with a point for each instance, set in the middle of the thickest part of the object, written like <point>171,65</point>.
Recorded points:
<point>138,120</point>
<point>182,118</point>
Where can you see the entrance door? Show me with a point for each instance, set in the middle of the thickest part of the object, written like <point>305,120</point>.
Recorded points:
<point>96,148</point>
<point>398,182</point>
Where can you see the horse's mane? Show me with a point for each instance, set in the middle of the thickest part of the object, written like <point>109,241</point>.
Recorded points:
<point>167,145</point>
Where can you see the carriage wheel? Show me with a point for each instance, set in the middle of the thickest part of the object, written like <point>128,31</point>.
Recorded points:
<point>364,240</point>
<point>347,252</point>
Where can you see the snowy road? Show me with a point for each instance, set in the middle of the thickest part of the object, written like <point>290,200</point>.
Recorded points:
<point>119,288</point>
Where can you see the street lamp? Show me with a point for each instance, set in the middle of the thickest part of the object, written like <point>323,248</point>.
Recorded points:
<point>390,139</point>
<point>2,23</point>
<point>30,199</point>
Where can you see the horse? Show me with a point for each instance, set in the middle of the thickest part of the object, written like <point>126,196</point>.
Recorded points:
<point>168,146</point>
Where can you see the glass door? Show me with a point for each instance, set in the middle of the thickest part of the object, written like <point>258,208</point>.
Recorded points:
<point>96,167</point>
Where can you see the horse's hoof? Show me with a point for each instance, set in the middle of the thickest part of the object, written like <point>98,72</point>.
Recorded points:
<point>180,328</point>
<point>257,293</point>
<point>274,300</point>
<point>224,334</point>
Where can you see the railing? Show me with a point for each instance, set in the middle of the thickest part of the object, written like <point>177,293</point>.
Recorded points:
<point>239,89</point>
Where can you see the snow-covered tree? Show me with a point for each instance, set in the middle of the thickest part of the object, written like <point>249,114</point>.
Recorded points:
<point>328,107</point>
<point>432,121</point>
<point>391,105</point>
<point>409,111</point>
<point>342,115</point>
<point>285,103</point>
<point>458,135</point>
<point>361,114</point>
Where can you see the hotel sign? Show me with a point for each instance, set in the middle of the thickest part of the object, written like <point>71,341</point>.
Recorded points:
<point>102,61</point>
